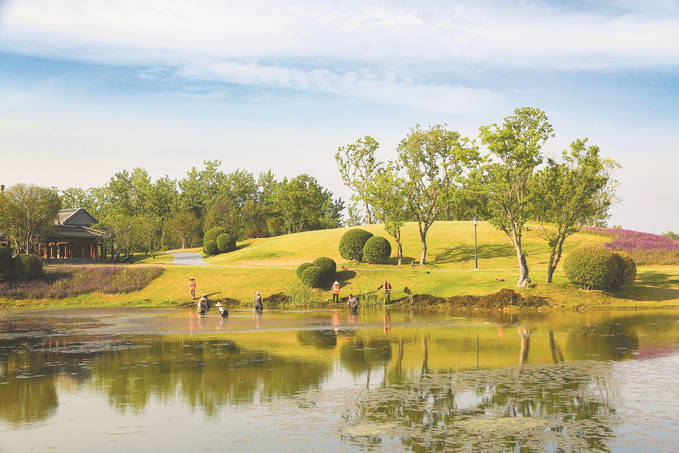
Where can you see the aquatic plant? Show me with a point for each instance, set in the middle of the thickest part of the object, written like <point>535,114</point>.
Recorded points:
<point>66,281</point>
<point>645,248</point>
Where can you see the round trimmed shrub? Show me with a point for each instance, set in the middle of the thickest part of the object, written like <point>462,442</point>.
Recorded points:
<point>312,277</point>
<point>226,242</point>
<point>627,269</point>
<point>327,266</point>
<point>591,267</point>
<point>210,247</point>
<point>26,267</point>
<point>352,243</point>
<point>212,233</point>
<point>377,250</point>
<point>301,268</point>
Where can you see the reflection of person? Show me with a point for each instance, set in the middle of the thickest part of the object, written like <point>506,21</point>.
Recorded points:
<point>192,288</point>
<point>386,322</point>
<point>335,320</point>
<point>258,301</point>
<point>258,319</point>
<point>387,291</point>
<point>352,303</point>
<point>335,292</point>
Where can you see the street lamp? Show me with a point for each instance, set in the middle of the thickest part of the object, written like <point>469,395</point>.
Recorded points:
<point>476,249</point>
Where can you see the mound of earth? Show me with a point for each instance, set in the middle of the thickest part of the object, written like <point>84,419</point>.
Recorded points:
<point>277,298</point>
<point>502,299</point>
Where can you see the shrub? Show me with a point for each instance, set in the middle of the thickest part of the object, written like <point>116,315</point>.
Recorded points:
<point>5,258</point>
<point>377,250</point>
<point>591,266</point>
<point>26,267</point>
<point>327,266</point>
<point>312,277</point>
<point>627,269</point>
<point>352,242</point>
<point>226,242</point>
<point>301,268</point>
<point>210,247</point>
<point>212,233</point>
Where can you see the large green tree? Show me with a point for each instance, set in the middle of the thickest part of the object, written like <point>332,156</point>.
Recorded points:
<point>567,194</point>
<point>436,162</point>
<point>27,214</point>
<point>388,193</point>
<point>507,181</point>
<point>182,228</point>
<point>357,167</point>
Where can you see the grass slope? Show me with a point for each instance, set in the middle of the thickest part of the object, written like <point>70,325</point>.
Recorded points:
<point>268,265</point>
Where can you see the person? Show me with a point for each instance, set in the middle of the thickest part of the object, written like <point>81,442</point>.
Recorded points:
<point>202,304</point>
<point>223,312</point>
<point>335,292</point>
<point>352,302</point>
<point>387,291</point>
<point>258,301</point>
<point>192,288</point>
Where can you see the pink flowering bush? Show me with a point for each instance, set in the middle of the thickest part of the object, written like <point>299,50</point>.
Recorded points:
<point>645,248</point>
<point>65,281</point>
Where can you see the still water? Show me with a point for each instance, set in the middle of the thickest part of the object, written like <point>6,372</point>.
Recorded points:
<point>169,380</point>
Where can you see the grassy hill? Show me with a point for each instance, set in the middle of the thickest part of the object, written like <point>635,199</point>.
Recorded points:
<point>269,264</point>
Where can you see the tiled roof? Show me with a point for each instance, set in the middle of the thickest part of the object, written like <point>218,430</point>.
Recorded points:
<point>75,232</point>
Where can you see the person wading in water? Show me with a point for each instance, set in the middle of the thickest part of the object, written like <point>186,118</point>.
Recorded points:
<point>335,292</point>
<point>352,302</point>
<point>258,301</point>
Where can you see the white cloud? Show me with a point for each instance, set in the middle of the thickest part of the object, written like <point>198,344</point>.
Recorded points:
<point>515,35</point>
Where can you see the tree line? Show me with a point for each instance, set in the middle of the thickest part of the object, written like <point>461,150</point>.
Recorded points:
<point>141,214</point>
<point>439,174</point>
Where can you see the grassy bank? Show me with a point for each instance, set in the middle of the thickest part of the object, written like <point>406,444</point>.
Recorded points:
<point>269,265</point>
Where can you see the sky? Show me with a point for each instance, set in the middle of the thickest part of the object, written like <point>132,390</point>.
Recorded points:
<point>89,88</point>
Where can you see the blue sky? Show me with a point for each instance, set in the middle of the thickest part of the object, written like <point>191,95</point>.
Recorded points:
<point>88,88</point>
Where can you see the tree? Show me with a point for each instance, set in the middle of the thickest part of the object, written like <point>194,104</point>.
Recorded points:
<point>303,205</point>
<point>120,229</point>
<point>27,214</point>
<point>566,195</point>
<point>606,197</point>
<point>147,234</point>
<point>184,226</point>
<point>388,194</point>
<point>357,166</point>
<point>435,161</point>
<point>507,180</point>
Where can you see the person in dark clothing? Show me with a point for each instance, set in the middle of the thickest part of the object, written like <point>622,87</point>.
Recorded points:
<point>223,312</point>
<point>258,301</point>
<point>387,291</point>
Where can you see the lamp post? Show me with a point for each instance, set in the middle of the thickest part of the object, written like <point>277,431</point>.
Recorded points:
<point>476,249</point>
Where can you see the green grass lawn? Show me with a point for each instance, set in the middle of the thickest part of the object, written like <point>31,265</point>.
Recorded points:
<point>269,265</point>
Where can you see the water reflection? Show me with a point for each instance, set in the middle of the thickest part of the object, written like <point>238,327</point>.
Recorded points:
<point>428,382</point>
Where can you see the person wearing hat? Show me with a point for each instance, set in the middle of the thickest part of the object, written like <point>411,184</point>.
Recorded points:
<point>258,301</point>
<point>192,288</point>
<point>223,312</point>
<point>202,304</point>
<point>335,291</point>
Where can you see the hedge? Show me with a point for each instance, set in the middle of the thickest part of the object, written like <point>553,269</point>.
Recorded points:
<point>226,242</point>
<point>352,243</point>
<point>26,267</point>
<point>377,250</point>
<point>627,269</point>
<point>592,267</point>
<point>327,266</point>
<point>210,247</point>
<point>212,233</point>
<point>313,277</point>
<point>5,259</point>
<point>301,268</point>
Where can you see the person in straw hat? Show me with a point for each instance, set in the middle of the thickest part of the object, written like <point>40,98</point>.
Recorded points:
<point>335,291</point>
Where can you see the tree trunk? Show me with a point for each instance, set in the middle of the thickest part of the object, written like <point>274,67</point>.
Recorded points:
<point>523,269</point>
<point>183,239</point>
<point>554,258</point>
<point>423,258</point>
<point>367,210</point>
<point>399,252</point>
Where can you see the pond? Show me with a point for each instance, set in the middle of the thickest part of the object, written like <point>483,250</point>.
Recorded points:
<point>324,380</point>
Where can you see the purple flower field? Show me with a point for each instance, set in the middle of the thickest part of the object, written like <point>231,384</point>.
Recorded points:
<point>65,281</point>
<point>645,248</point>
